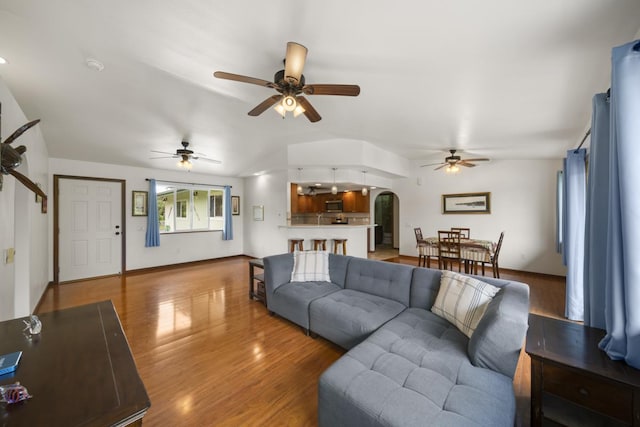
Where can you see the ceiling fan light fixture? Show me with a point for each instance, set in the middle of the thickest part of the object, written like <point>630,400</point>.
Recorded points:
<point>298,110</point>
<point>280,109</point>
<point>289,103</point>
<point>452,169</point>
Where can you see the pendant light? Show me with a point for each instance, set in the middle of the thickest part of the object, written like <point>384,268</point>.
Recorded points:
<point>365,190</point>
<point>334,189</point>
<point>299,190</point>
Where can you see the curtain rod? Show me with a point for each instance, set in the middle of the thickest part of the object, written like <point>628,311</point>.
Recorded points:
<point>188,183</point>
<point>583,140</point>
<point>589,131</point>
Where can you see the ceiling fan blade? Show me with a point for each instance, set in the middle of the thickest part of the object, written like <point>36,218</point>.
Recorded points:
<point>163,152</point>
<point>22,129</point>
<point>245,79</point>
<point>441,166</point>
<point>329,89</point>
<point>476,160</point>
<point>309,111</point>
<point>433,164</point>
<point>164,157</point>
<point>28,183</point>
<point>294,62</point>
<point>467,164</point>
<point>205,159</point>
<point>264,105</point>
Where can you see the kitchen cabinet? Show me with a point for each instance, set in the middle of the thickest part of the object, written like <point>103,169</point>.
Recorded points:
<point>349,201</point>
<point>352,201</point>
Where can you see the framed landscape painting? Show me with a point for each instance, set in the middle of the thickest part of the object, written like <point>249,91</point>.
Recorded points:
<point>466,203</point>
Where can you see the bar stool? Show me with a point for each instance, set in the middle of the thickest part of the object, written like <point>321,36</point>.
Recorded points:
<point>296,242</point>
<point>319,243</point>
<point>337,243</point>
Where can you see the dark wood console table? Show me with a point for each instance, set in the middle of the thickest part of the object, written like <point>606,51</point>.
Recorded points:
<point>573,382</point>
<point>256,281</point>
<point>79,370</point>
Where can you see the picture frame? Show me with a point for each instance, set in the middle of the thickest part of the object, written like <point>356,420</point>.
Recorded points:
<point>258,213</point>
<point>139,203</point>
<point>466,203</point>
<point>235,205</point>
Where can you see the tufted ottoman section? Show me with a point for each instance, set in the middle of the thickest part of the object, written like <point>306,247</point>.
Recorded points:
<point>414,371</point>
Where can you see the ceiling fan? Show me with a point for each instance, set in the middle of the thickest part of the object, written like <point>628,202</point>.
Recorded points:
<point>452,162</point>
<point>185,155</point>
<point>12,158</point>
<point>290,85</point>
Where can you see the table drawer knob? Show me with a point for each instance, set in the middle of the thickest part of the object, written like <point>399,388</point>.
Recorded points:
<point>583,391</point>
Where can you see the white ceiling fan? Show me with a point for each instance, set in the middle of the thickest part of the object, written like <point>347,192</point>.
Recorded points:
<point>185,155</point>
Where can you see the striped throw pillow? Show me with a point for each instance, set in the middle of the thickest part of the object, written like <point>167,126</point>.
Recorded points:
<point>463,300</point>
<point>310,266</point>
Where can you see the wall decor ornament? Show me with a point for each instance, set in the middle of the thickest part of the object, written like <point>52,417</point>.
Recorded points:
<point>466,203</point>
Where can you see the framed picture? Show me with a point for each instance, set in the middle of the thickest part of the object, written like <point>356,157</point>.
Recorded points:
<point>466,203</point>
<point>258,213</point>
<point>139,203</point>
<point>235,205</point>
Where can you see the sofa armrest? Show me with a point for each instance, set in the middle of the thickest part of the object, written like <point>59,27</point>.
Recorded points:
<point>277,271</point>
<point>497,341</point>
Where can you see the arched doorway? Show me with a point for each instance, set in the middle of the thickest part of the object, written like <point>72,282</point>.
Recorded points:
<point>387,219</point>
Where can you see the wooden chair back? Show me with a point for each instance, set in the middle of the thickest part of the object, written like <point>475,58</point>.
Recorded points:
<point>448,249</point>
<point>494,257</point>
<point>418,233</point>
<point>465,233</point>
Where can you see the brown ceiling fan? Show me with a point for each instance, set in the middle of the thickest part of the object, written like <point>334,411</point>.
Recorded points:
<point>12,158</point>
<point>453,161</point>
<point>290,84</point>
<point>185,155</point>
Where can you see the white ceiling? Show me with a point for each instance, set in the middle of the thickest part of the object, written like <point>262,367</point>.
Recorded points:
<point>498,78</point>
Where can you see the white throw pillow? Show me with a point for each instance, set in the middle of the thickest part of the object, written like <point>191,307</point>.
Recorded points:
<point>310,266</point>
<point>463,300</point>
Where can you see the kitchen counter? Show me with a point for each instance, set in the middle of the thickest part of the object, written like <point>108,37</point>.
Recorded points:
<point>357,235</point>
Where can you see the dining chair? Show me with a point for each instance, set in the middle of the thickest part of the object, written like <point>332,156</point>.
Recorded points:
<point>422,248</point>
<point>449,249</point>
<point>493,258</point>
<point>465,233</point>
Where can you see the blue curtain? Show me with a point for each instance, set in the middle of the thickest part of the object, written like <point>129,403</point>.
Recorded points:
<point>622,298</point>
<point>573,246</point>
<point>597,215</point>
<point>227,230</point>
<point>153,230</point>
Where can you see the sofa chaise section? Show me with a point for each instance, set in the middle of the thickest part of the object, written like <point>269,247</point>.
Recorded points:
<point>374,293</point>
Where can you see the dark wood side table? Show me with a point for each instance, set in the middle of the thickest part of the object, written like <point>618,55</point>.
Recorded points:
<point>256,281</point>
<point>574,382</point>
<point>79,370</point>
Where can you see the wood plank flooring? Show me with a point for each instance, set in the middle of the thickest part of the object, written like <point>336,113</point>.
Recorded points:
<point>210,356</point>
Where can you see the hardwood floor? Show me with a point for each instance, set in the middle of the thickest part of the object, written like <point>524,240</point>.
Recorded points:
<point>210,356</point>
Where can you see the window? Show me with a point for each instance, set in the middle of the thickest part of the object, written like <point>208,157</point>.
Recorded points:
<point>189,207</point>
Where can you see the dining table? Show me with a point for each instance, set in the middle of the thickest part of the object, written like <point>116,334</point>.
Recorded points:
<point>471,250</point>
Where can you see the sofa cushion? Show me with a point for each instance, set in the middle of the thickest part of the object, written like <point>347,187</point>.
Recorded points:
<point>292,299</point>
<point>310,266</point>
<point>463,300</point>
<point>384,279</point>
<point>347,317</point>
<point>413,371</point>
<point>425,283</point>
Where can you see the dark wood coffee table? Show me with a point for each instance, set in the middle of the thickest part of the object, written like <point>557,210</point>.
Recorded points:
<point>79,370</point>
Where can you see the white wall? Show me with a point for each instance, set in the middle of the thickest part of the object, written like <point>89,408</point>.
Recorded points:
<point>22,283</point>
<point>522,204</point>
<point>174,248</point>
<point>270,190</point>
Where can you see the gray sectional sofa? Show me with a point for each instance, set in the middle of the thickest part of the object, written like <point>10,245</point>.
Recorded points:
<point>405,366</point>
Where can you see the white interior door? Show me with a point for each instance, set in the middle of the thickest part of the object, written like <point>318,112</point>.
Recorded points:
<point>89,243</point>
